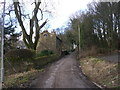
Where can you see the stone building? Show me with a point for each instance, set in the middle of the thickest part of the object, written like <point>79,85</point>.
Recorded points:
<point>49,41</point>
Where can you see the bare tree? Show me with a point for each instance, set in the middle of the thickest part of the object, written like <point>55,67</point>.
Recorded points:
<point>33,24</point>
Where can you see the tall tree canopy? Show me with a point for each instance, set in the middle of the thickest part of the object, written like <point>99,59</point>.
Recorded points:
<point>99,26</point>
<point>10,34</point>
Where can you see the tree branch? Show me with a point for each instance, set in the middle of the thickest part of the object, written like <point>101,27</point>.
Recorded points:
<point>43,24</point>
<point>16,4</point>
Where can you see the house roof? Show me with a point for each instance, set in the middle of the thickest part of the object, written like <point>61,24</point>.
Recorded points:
<point>46,31</point>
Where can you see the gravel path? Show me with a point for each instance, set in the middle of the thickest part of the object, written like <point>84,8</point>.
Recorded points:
<point>64,73</point>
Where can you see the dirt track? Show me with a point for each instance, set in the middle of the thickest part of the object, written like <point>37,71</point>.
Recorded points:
<point>64,73</point>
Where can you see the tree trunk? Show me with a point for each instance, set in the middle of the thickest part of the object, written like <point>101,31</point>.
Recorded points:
<point>28,38</point>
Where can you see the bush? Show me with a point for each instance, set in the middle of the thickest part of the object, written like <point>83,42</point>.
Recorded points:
<point>44,53</point>
<point>40,62</point>
<point>65,53</point>
<point>20,54</point>
<point>24,60</point>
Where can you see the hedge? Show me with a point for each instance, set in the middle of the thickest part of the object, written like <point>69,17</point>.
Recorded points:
<point>39,62</point>
<point>20,54</point>
<point>21,62</point>
<point>44,53</point>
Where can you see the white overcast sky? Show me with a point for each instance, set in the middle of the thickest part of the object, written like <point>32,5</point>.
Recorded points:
<point>64,9</point>
<point>61,10</point>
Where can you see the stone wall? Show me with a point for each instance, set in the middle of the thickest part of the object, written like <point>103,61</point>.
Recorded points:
<point>47,41</point>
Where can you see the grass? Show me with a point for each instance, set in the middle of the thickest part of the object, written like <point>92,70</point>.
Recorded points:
<point>19,79</point>
<point>100,71</point>
<point>116,88</point>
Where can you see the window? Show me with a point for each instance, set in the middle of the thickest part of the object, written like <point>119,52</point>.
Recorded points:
<point>45,35</point>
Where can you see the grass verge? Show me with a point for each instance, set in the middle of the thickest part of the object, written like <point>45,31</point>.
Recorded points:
<point>21,79</point>
<point>102,72</point>
<point>24,78</point>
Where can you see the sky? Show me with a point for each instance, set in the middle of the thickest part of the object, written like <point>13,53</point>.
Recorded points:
<point>61,10</point>
<point>64,9</point>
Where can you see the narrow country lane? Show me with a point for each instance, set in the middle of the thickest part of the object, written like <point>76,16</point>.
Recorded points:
<point>64,73</point>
